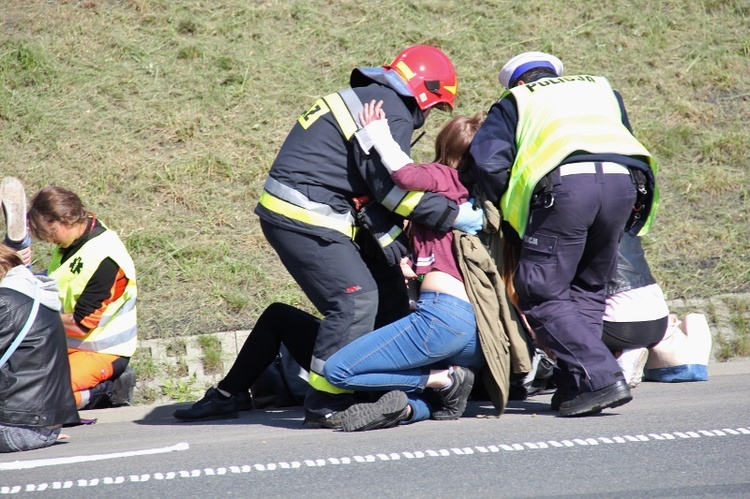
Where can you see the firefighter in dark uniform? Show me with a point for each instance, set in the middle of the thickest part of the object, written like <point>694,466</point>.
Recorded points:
<point>309,208</point>
<point>558,155</point>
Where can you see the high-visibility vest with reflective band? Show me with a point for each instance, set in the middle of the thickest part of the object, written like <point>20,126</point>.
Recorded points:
<point>345,107</point>
<point>116,333</point>
<point>586,117</point>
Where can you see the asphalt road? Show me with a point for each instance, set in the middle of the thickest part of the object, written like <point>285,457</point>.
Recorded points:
<point>673,440</point>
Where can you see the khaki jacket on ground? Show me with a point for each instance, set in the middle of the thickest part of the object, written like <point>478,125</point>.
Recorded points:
<point>505,344</point>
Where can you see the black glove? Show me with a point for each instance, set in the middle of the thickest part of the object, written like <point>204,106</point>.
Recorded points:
<point>386,229</point>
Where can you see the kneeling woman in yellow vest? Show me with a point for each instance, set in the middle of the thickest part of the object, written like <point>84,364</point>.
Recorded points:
<point>96,280</point>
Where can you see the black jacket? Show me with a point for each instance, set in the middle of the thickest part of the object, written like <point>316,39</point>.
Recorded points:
<point>35,387</point>
<point>632,268</point>
<point>318,161</point>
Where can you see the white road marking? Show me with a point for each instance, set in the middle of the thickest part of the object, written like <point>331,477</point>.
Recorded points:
<point>24,465</point>
<point>331,461</point>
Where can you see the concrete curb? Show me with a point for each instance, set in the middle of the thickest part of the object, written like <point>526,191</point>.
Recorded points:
<point>154,412</point>
<point>178,371</point>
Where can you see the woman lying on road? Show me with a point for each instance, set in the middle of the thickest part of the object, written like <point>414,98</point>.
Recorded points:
<point>278,324</point>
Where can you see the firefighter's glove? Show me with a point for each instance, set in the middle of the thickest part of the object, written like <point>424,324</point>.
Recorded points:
<point>469,218</point>
<point>386,229</point>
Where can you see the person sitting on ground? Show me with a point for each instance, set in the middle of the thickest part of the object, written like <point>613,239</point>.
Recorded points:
<point>35,395</point>
<point>17,237</point>
<point>636,313</point>
<point>97,289</point>
<point>425,359</point>
<point>641,333</point>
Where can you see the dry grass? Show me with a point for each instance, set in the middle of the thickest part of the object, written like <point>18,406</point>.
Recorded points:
<point>165,116</point>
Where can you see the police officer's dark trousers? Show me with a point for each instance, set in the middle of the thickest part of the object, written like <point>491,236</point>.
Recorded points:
<point>568,254</point>
<point>354,294</point>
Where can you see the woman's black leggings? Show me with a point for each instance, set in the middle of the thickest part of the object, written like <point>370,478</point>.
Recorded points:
<point>279,323</point>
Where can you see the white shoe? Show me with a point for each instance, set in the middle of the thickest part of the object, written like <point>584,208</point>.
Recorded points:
<point>632,363</point>
<point>14,207</point>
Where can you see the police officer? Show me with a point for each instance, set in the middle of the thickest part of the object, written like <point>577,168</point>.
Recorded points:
<point>558,155</point>
<point>308,208</point>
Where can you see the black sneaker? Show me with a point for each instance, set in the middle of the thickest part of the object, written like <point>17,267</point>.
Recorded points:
<point>98,396</point>
<point>387,412</point>
<point>244,401</point>
<point>320,406</point>
<point>122,389</point>
<point>455,397</point>
<point>213,405</point>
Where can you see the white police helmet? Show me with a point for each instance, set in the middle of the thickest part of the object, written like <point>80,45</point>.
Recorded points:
<point>526,61</point>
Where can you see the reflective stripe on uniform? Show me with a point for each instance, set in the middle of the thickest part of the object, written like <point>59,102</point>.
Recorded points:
<point>389,236</point>
<point>319,383</point>
<point>289,210</point>
<point>105,343</point>
<point>402,202</point>
<point>295,197</point>
<point>341,112</point>
<point>353,104</point>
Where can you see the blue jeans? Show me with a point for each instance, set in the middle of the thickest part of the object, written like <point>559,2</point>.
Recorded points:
<point>441,332</point>
<point>20,438</point>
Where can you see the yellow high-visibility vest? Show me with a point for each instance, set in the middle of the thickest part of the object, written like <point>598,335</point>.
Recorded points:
<point>117,331</point>
<point>556,118</point>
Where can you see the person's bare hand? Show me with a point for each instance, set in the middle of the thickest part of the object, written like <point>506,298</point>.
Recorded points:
<point>406,268</point>
<point>72,329</point>
<point>371,111</point>
<point>25,255</point>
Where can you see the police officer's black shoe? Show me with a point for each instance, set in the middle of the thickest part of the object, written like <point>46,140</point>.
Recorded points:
<point>454,397</point>
<point>558,398</point>
<point>387,412</point>
<point>587,403</point>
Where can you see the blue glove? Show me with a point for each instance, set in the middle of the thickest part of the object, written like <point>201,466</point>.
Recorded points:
<point>469,219</point>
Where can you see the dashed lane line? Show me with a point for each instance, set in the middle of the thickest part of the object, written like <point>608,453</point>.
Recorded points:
<point>321,462</point>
